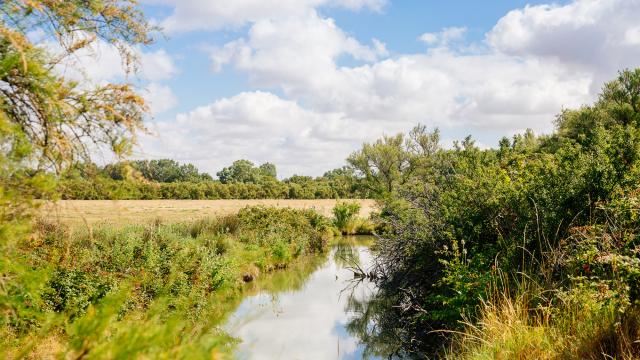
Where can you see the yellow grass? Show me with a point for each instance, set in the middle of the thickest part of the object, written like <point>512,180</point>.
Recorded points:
<point>76,212</point>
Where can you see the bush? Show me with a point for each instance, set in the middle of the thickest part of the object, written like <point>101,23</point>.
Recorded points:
<point>267,226</point>
<point>561,209</point>
<point>72,291</point>
<point>163,283</point>
<point>343,213</point>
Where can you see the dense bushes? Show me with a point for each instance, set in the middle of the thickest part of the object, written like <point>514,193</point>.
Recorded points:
<point>462,225</point>
<point>593,312</point>
<point>347,222</point>
<point>173,281</point>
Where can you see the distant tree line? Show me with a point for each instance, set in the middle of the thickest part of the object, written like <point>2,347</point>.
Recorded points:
<point>168,179</point>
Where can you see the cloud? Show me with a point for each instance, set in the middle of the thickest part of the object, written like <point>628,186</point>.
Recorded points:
<point>442,87</point>
<point>444,37</point>
<point>189,15</point>
<point>157,65</point>
<point>95,63</point>
<point>293,50</point>
<point>159,97</point>
<point>100,62</point>
<point>533,62</point>
<point>258,126</point>
<point>600,37</point>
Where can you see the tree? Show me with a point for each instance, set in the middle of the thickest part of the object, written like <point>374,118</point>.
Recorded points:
<point>390,161</point>
<point>168,170</point>
<point>269,170</point>
<point>58,117</point>
<point>240,171</point>
<point>244,171</point>
<point>47,122</point>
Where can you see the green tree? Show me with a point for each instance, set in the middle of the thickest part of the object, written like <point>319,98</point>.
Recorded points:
<point>268,170</point>
<point>245,171</point>
<point>466,219</point>
<point>390,161</point>
<point>168,170</point>
<point>48,122</point>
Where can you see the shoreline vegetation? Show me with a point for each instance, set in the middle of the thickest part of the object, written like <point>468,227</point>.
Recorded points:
<point>527,251</point>
<point>158,289</point>
<point>167,179</point>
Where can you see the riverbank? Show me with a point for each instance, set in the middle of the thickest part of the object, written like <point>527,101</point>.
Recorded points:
<point>152,290</point>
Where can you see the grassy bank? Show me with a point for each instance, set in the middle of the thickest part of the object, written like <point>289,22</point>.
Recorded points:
<point>156,290</point>
<point>576,325</point>
<point>581,303</point>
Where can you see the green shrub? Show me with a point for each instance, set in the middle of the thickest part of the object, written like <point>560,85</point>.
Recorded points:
<point>281,253</point>
<point>343,212</point>
<point>72,291</point>
<point>269,225</point>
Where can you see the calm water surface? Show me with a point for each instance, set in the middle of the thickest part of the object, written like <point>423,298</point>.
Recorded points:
<point>303,312</point>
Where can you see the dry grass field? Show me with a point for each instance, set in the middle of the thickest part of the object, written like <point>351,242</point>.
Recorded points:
<point>77,212</point>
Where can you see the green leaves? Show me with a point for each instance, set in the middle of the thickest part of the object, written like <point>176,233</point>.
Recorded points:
<point>518,210</point>
<point>343,213</point>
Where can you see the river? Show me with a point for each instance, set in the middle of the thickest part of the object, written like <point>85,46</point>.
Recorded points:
<point>304,312</point>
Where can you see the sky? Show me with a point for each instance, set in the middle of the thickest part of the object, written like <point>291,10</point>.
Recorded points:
<point>303,83</point>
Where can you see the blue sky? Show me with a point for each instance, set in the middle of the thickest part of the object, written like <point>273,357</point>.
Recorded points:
<point>398,25</point>
<point>303,83</point>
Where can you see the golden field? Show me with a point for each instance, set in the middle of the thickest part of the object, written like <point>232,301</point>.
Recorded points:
<point>74,212</point>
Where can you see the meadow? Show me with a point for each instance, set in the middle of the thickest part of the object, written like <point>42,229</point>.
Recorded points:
<point>77,212</point>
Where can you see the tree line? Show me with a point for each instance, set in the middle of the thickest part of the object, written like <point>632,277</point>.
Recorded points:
<point>168,179</point>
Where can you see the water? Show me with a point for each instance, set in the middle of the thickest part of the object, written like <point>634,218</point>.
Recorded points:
<point>303,312</point>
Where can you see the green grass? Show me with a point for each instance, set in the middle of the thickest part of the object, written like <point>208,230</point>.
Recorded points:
<point>157,290</point>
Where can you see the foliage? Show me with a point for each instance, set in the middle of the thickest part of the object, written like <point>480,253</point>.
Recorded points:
<point>390,161</point>
<point>47,123</point>
<point>558,208</point>
<point>244,171</point>
<point>164,171</point>
<point>577,325</point>
<point>119,181</point>
<point>58,117</point>
<point>176,281</point>
<point>345,213</point>
<point>283,227</point>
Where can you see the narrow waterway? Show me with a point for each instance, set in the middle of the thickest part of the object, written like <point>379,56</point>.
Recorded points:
<point>304,312</point>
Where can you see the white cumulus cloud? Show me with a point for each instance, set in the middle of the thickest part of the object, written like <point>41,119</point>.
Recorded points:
<point>157,65</point>
<point>444,37</point>
<point>533,62</point>
<point>191,15</point>
<point>160,98</point>
<point>597,36</point>
<point>258,126</point>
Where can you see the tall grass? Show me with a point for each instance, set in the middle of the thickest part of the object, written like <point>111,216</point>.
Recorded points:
<point>531,323</point>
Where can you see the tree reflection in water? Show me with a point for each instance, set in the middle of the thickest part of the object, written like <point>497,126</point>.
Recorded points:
<point>369,315</point>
